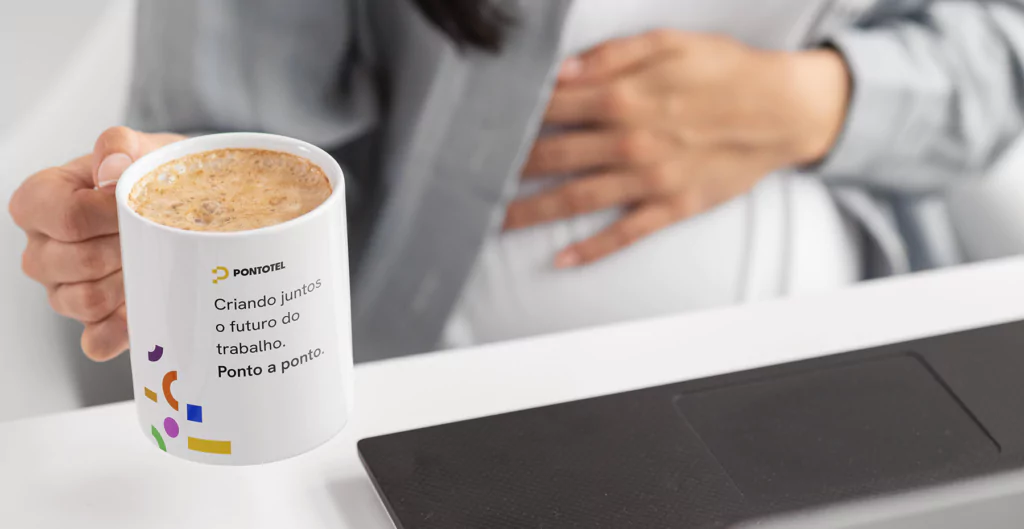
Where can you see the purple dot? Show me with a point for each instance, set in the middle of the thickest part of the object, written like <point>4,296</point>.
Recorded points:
<point>171,427</point>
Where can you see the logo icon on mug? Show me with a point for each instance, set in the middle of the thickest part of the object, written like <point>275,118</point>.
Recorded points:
<point>221,273</point>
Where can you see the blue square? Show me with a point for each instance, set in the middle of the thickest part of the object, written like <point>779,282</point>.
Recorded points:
<point>195,413</point>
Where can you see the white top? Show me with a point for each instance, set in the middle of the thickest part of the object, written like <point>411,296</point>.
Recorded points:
<point>785,237</point>
<point>93,468</point>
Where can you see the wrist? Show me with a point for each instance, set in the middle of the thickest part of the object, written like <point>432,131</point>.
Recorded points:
<point>820,83</point>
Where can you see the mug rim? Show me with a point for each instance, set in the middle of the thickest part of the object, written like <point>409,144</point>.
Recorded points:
<point>231,140</point>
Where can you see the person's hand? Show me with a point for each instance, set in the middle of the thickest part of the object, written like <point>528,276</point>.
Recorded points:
<point>70,217</point>
<point>670,124</point>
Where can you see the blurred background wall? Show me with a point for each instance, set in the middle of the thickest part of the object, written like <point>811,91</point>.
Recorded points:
<point>66,66</point>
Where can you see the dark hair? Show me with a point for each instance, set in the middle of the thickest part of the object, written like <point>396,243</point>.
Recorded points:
<point>478,23</point>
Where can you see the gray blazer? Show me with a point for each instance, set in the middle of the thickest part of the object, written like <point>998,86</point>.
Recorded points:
<point>433,139</point>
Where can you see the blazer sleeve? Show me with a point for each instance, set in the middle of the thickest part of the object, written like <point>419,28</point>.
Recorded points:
<point>293,68</point>
<point>937,95</point>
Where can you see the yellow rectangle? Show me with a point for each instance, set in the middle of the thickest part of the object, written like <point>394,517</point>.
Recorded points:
<point>150,394</point>
<point>208,446</point>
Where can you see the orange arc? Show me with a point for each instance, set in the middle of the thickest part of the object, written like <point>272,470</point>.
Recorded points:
<point>170,377</point>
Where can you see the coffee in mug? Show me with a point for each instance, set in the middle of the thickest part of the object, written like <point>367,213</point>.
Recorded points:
<point>235,264</point>
<point>230,190</point>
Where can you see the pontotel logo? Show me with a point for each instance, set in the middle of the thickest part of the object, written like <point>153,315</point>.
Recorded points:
<point>221,273</point>
<point>257,270</point>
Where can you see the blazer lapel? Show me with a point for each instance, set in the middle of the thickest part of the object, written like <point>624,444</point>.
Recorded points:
<point>484,114</point>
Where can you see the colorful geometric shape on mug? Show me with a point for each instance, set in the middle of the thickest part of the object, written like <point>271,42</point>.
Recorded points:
<point>194,413</point>
<point>156,353</point>
<point>150,394</point>
<point>171,427</point>
<point>170,377</point>
<point>159,440</point>
<point>209,446</point>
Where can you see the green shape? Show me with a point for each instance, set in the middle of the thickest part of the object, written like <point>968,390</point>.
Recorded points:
<point>159,440</point>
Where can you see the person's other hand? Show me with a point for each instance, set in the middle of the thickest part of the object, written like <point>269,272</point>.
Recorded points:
<point>670,124</point>
<point>70,217</point>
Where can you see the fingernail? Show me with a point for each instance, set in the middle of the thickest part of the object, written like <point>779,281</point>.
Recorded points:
<point>111,168</point>
<point>567,259</point>
<point>571,69</point>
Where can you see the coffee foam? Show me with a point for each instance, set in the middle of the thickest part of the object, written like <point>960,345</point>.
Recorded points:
<point>230,190</point>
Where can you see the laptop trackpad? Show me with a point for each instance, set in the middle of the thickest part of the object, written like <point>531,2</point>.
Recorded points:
<point>855,429</point>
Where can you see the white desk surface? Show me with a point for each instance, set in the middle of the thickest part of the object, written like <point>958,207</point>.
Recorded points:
<point>93,468</point>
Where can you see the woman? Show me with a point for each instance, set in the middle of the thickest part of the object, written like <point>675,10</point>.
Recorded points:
<point>667,124</point>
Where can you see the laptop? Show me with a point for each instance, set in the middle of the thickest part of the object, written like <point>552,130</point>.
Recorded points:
<point>993,502</point>
<point>775,445</point>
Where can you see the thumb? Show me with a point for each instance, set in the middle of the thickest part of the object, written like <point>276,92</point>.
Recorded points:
<point>118,147</point>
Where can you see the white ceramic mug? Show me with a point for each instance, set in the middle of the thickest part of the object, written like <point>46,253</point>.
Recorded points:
<point>241,344</point>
